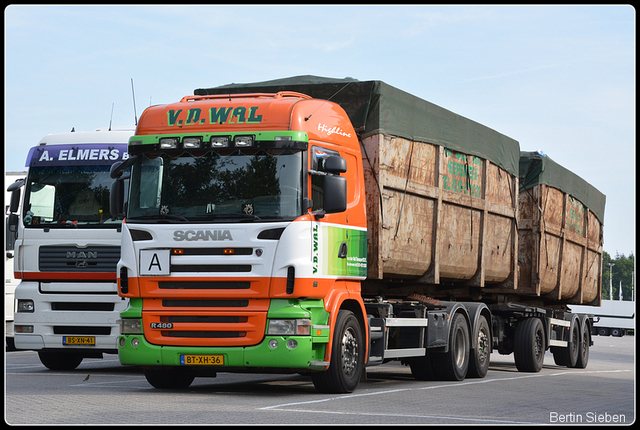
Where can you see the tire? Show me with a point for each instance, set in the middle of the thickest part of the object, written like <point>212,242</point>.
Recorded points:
<point>453,364</point>
<point>59,360</point>
<point>421,368</point>
<point>11,344</point>
<point>169,378</point>
<point>479,357</point>
<point>569,356</point>
<point>583,348</point>
<point>603,331</point>
<point>529,346</point>
<point>347,357</point>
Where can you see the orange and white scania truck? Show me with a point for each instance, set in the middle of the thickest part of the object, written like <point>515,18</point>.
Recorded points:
<point>321,226</point>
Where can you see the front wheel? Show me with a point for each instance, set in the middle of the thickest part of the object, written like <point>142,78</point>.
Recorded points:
<point>60,360</point>
<point>171,378</point>
<point>347,357</point>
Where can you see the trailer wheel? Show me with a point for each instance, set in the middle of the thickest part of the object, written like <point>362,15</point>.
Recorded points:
<point>583,347</point>
<point>569,356</point>
<point>453,364</point>
<point>529,345</point>
<point>479,357</point>
<point>347,357</point>
<point>171,378</point>
<point>59,360</point>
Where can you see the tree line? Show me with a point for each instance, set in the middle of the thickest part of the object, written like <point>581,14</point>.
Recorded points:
<point>621,273</point>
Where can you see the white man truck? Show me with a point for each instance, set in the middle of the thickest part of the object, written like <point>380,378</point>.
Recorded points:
<point>319,226</point>
<point>10,282</point>
<point>67,246</point>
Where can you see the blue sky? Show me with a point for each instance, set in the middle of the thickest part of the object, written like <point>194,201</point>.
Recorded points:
<point>556,78</point>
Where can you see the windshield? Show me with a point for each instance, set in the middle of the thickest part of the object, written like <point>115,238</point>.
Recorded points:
<point>241,185</point>
<point>63,196</point>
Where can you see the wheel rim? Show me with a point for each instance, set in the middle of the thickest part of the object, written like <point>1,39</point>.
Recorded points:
<point>349,352</point>
<point>539,352</point>
<point>460,348</point>
<point>575,339</point>
<point>483,347</point>
<point>585,345</point>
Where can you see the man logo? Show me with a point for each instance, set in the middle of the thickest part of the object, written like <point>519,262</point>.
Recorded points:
<point>82,257</point>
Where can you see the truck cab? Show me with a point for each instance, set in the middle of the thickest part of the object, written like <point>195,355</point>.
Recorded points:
<point>243,238</point>
<point>66,248</point>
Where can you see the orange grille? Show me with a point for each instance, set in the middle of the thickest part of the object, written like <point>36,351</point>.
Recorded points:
<point>204,311</point>
<point>205,322</point>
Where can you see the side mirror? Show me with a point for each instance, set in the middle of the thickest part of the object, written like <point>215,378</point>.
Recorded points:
<point>12,223</point>
<point>14,189</point>
<point>335,164</point>
<point>116,199</point>
<point>115,171</point>
<point>118,168</point>
<point>15,201</point>
<point>335,194</point>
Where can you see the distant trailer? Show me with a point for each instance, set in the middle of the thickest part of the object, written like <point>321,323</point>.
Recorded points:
<point>613,317</point>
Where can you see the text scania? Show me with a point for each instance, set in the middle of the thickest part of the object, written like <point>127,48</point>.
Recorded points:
<point>230,115</point>
<point>191,235</point>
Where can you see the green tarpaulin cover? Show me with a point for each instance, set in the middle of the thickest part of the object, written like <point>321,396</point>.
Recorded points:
<point>536,168</point>
<point>378,108</point>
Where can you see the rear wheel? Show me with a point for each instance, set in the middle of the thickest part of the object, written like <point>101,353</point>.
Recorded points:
<point>60,360</point>
<point>453,364</point>
<point>171,377</point>
<point>569,356</point>
<point>479,357</point>
<point>529,345</point>
<point>347,357</point>
<point>583,348</point>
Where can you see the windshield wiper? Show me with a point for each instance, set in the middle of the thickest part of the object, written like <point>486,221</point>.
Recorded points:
<point>247,217</point>
<point>160,217</point>
<point>240,217</point>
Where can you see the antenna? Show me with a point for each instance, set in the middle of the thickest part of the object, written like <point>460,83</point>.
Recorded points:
<point>334,94</point>
<point>135,115</point>
<point>111,118</point>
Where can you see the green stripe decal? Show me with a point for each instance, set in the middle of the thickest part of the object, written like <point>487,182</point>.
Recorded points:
<point>339,251</point>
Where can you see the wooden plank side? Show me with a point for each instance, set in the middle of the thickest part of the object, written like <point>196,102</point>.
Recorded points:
<point>560,249</point>
<point>435,225</point>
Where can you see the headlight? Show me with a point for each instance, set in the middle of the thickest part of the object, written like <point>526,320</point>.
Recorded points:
<point>192,142</point>
<point>220,141</point>
<point>243,141</point>
<point>25,306</point>
<point>169,142</point>
<point>289,327</point>
<point>131,326</point>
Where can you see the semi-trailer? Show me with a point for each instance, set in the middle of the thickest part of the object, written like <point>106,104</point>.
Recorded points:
<point>314,225</point>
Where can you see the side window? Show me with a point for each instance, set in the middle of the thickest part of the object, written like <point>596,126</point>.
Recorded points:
<point>318,155</point>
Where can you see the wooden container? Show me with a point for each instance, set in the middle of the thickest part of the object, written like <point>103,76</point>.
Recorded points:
<point>438,216</point>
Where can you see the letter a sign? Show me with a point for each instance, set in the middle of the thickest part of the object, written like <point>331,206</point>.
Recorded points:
<point>154,262</point>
